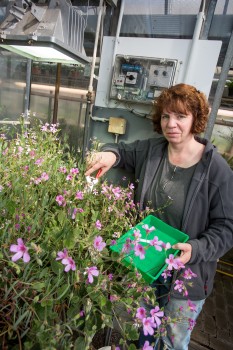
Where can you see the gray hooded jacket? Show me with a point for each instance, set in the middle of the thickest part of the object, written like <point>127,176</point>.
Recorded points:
<point>208,211</point>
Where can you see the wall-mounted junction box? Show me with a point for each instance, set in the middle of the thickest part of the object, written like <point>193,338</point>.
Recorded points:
<point>141,79</point>
<point>117,125</point>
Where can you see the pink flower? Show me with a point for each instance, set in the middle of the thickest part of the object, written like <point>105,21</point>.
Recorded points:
<point>45,127</point>
<point>32,154</point>
<point>141,313</point>
<point>53,128</point>
<point>63,169</point>
<point>60,200</point>
<point>191,324</point>
<point>156,313</point>
<point>179,285</point>
<point>21,251</point>
<point>166,273</point>
<point>113,298</point>
<point>188,274</point>
<point>74,171</point>
<point>172,262</point>
<point>98,225</point>
<point>44,176</point>
<point>99,244</point>
<point>39,161</point>
<point>69,177</point>
<point>70,264</point>
<point>131,186</point>
<point>127,247</point>
<point>62,255</point>
<point>91,271</point>
<point>148,229</point>
<point>147,346</point>
<point>17,226</point>
<point>166,246</point>
<point>110,277</point>
<point>148,325</point>
<point>156,243</point>
<point>139,251</point>
<point>20,149</point>
<point>74,213</point>
<point>137,234</point>
<point>79,195</point>
<point>117,192</point>
<point>192,306</point>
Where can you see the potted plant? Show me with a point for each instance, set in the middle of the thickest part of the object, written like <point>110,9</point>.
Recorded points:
<point>59,282</point>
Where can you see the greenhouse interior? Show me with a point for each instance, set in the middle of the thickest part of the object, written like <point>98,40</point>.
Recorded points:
<point>85,79</point>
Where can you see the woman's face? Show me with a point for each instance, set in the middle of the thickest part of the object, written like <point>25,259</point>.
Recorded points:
<point>176,127</point>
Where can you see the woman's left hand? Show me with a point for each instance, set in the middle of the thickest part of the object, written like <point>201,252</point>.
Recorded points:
<point>186,251</point>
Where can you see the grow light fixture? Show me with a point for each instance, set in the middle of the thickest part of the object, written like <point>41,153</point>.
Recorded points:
<point>50,31</point>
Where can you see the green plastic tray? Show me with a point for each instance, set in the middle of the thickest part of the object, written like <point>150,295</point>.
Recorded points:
<point>153,264</point>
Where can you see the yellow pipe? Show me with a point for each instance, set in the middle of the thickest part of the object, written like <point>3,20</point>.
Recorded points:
<point>225,273</point>
<point>225,262</point>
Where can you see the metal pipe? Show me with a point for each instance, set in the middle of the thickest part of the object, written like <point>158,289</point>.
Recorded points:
<point>195,39</point>
<point>220,88</point>
<point>209,17</point>
<point>57,87</point>
<point>223,122</point>
<point>27,88</point>
<point>224,273</point>
<point>118,31</point>
<point>90,88</point>
<point>225,262</point>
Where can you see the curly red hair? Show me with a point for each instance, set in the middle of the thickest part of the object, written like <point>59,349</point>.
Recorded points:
<point>182,98</point>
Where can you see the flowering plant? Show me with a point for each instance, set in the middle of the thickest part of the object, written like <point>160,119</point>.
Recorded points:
<point>59,281</point>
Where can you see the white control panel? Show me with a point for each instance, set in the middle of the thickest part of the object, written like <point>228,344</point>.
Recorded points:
<point>141,79</point>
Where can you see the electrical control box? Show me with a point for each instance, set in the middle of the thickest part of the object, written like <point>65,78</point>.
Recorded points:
<point>117,125</point>
<point>141,79</point>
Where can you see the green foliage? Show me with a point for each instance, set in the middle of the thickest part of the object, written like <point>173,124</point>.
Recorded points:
<point>43,306</point>
<point>229,83</point>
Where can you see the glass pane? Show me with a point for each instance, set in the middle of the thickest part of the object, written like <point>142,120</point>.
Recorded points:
<point>11,92</point>
<point>161,7</point>
<point>165,19</point>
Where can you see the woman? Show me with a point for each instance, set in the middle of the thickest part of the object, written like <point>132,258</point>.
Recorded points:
<point>183,174</point>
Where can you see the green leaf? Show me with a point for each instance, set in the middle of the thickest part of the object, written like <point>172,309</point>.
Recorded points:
<point>69,241</point>
<point>36,299</point>
<point>39,286</point>
<point>102,301</point>
<point>20,319</point>
<point>61,217</point>
<point>47,302</point>
<point>62,291</point>
<point>107,307</point>
<point>57,267</point>
<point>44,273</point>
<point>132,332</point>
<point>80,343</point>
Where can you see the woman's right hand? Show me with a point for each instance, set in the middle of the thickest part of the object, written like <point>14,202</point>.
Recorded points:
<point>100,161</point>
